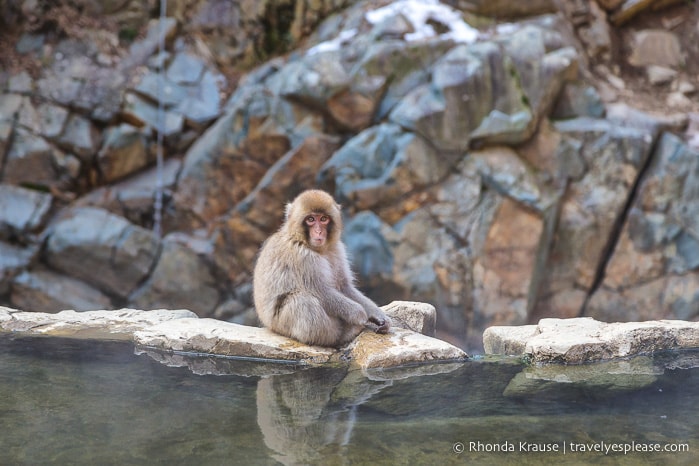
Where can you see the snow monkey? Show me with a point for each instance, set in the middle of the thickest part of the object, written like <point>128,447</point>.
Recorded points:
<point>302,283</point>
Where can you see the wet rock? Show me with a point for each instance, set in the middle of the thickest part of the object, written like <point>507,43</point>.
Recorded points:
<point>102,249</point>
<point>584,339</point>
<point>43,290</point>
<point>22,210</point>
<point>604,379</point>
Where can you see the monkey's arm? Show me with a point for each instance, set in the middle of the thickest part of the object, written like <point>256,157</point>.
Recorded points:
<point>374,313</point>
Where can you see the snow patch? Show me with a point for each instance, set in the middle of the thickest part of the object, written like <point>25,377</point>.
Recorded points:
<point>333,45</point>
<point>419,13</point>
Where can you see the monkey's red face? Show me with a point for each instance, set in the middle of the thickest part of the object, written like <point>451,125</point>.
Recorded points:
<point>317,225</point>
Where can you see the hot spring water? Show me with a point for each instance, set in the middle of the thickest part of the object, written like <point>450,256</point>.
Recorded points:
<point>84,402</point>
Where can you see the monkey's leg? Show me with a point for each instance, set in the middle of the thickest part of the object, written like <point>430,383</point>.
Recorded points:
<point>303,318</point>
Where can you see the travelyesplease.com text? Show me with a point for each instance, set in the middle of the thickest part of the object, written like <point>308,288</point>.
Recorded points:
<point>570,447</point>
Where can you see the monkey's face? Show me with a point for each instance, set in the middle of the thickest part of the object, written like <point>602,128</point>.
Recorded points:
<point>317,226</point>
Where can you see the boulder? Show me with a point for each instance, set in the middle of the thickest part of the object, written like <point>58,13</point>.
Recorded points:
<point>102,249</point>
<point>45,290</point>
<point>583,339</point>
<point>22,210</point>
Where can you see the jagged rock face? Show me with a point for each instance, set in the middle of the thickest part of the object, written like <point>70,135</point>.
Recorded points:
<point>479,169</point>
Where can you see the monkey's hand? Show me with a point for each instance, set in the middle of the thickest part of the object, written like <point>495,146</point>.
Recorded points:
<point>383,324</point>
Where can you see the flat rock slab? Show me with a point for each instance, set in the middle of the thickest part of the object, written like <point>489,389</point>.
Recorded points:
<point>181,332</point>
<point>584,339</point>
<point>215,337</point>
<point>99,325</point>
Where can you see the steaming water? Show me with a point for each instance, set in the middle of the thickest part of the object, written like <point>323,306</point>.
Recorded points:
<point>77,402</point>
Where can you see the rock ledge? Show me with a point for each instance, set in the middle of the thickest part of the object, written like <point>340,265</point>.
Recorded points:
<point>181,331</point>
<point>584,339</point>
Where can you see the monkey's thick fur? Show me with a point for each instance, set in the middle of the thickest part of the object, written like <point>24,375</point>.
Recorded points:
<point>305,292</point>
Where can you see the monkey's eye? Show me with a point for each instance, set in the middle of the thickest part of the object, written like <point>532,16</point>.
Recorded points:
<point>324,219</point>
<point>310,220</point>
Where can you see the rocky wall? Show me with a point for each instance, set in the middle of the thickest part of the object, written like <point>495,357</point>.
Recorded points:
<point>491,169</point>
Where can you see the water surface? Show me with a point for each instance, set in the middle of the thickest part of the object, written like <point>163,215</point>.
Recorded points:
<point>78,402</point>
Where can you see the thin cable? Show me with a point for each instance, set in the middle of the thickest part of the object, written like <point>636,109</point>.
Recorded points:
<point>158,203</point>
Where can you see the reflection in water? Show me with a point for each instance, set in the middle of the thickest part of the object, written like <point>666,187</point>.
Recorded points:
<point>307,416</point>
<point>77,402</point>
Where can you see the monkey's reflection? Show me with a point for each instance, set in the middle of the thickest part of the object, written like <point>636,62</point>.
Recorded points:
<point>307,415</point>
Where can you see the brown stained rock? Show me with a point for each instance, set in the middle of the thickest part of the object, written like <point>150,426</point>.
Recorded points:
<point>352,110</point>
<point>503,271</point>
<point>654,269</point>
<point>656,47</point>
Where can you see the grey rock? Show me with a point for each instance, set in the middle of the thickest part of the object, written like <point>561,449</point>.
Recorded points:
<point>181,278</point>
<point>102,249</point>
<point>140,112</point>
<point>31,159</point>
<point>654,267</point>
<point>370,252</point>
<point>53,120</point>
<point>158,88</point>
<point>80,137</point>
<point>578,99</point>
<point>437,111</point>
<point>43,290</point>
<point>579,340</point>
<point>22,210</point>
<point>185,69</point>
<point>202,102</point>
<point>118,324</point>
<point>381,165</point>
<point>142,49</point>
<point>21,83</point>
<point>13,260</point>
<point>418,317</point>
